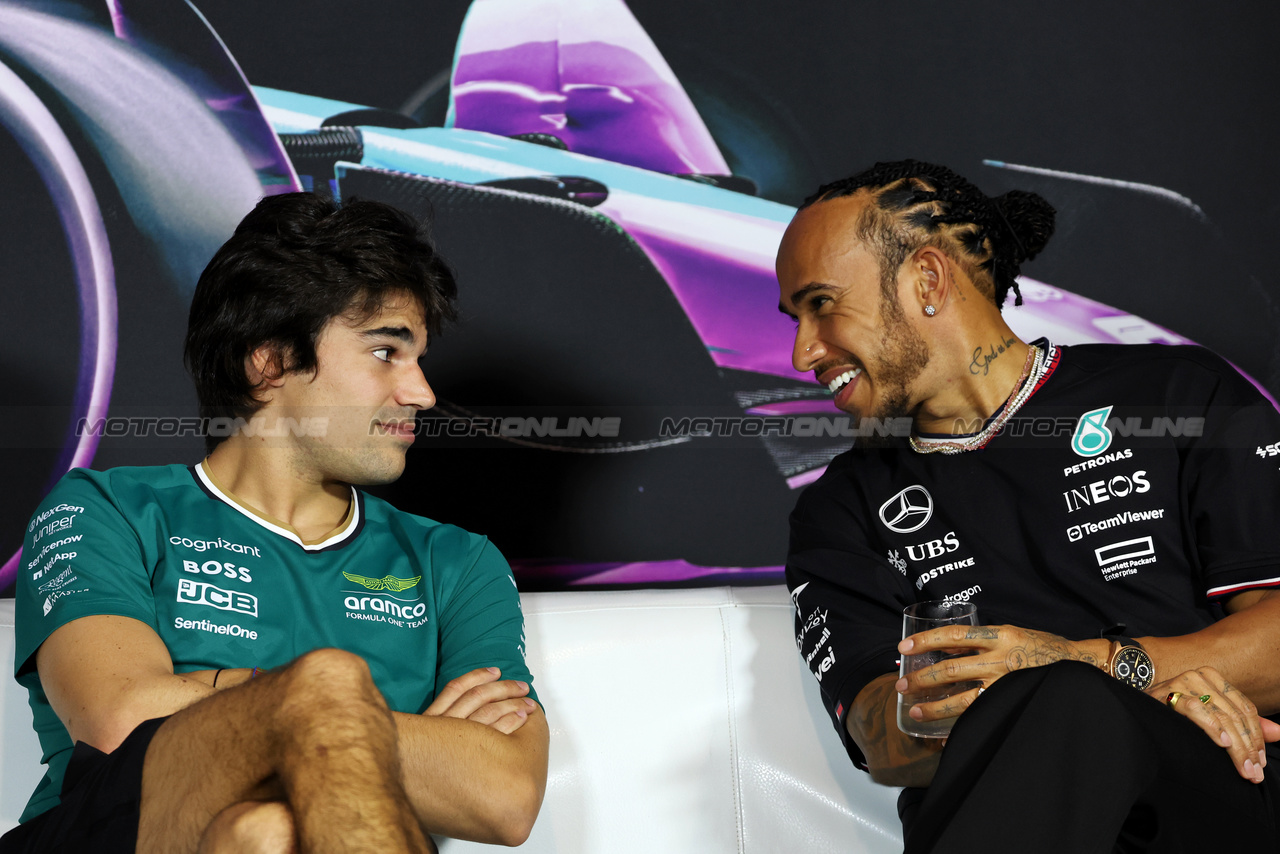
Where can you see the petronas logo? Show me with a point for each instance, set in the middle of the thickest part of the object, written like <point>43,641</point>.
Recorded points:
<point>1092,436</point>
<point>388,582</point>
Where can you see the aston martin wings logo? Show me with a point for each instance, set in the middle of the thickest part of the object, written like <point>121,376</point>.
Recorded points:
<point>389,582</point>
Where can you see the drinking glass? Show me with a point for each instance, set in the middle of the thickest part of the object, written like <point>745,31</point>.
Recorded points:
<point>921,617</point>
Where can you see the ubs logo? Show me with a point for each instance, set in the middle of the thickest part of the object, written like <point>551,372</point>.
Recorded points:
<point>907,511</point>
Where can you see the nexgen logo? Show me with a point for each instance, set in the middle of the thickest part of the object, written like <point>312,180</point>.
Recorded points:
<point>200,593</point>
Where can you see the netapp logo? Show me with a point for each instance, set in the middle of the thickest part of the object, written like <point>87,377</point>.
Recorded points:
<point>1099,491</point>
<point>907,511</point>
<point>201,593</point>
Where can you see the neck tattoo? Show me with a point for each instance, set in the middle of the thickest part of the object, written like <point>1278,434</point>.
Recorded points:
<point>1033,371</point>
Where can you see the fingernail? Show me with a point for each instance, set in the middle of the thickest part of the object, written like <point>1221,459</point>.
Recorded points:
<point>906,645</point>
<point>1225,738</point>
<point>521,714</point>
<point>495,671</point>
<point>529,703</point>
<point>901,685</point>
<point>1248,769</point>
<point>916,714</point>
<point>524,686</point>
<point>1262,758</point>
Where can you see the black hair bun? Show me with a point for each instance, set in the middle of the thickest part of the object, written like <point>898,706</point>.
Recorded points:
<point>1030,220</point>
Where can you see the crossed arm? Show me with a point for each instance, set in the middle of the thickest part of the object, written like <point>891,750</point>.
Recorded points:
<point>1231,661</point>
<point>474,763</point>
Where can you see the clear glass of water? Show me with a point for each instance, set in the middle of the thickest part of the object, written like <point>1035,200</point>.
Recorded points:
<point>921,617</point>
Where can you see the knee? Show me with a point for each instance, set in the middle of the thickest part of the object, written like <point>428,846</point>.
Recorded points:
<point>252,827</point>
<point>328,680</point>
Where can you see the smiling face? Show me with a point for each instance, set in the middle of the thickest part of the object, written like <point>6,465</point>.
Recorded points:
<point>368,386</point>
<point>851,330</point>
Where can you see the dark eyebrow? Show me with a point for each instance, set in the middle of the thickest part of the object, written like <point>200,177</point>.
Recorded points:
<point>400,333</point>
<point>798,296</point>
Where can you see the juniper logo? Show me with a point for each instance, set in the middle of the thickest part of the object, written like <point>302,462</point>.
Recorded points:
<point>387,582</point>
<point>1092,435</point>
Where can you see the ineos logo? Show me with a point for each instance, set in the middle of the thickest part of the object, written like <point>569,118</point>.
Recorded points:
<point>907,511</point>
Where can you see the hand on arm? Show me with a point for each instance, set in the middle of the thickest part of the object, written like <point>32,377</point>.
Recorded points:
<point>475,762</point>
<point>1242,647</point>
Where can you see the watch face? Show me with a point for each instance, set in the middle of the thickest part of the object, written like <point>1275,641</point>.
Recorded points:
<point>1132,666</point>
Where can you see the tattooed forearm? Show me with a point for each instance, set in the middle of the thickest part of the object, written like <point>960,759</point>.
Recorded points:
<point>895,759</point>
<point>1042,648</point>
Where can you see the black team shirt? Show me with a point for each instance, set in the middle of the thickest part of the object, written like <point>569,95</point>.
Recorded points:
<point>1136,490</point>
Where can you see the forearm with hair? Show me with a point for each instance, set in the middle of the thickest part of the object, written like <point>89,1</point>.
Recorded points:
<point>469,781</point>
<point>893,757</point>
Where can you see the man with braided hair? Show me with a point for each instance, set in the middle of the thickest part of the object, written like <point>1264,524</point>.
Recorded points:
<point>1109,509</point>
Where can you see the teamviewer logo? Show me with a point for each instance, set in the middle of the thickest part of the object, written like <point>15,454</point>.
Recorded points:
<point>907,511</point>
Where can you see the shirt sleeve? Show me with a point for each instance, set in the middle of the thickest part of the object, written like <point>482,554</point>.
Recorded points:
<point>80,558</point>
<point>1231,485</point>
<point>481,622</point>
<point>848,602</point>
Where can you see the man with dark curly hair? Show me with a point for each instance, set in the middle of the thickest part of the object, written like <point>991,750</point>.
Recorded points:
<point>250,653</point>
<point>1109,509</point>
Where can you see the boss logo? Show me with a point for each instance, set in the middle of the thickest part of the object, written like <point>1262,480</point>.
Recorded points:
<point>201,593</point>
<point>214,567</point>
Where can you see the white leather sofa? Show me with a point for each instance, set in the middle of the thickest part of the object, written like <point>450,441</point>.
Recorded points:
<point>682,722</point>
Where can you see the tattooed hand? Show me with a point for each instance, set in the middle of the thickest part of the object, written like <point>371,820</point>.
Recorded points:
<point>987,653</point>
<point>1227,715</point>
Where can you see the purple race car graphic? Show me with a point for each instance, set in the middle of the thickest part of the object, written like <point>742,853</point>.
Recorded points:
<point>622,369</point>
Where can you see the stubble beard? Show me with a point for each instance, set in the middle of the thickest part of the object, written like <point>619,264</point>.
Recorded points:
<point>902,358</point>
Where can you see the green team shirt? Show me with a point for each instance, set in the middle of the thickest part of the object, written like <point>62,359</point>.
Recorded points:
<point>224,587</point>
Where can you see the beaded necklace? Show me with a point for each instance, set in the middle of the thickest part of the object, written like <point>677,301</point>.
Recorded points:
<point>1033,371</point>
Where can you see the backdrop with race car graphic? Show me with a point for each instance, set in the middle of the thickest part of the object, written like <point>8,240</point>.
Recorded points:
<point>617,406</point>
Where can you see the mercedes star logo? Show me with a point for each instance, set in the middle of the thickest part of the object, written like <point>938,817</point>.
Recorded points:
<point>907,511</point>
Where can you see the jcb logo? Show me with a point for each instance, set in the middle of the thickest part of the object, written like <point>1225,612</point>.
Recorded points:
<point>200,593</point>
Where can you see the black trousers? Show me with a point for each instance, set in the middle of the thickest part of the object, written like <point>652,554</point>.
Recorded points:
<point>1066,759</point>
<point>101,797</point>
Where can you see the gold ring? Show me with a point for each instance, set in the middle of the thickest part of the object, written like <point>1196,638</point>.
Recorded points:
<point>1173,699</point>
<point>1205,698</point>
